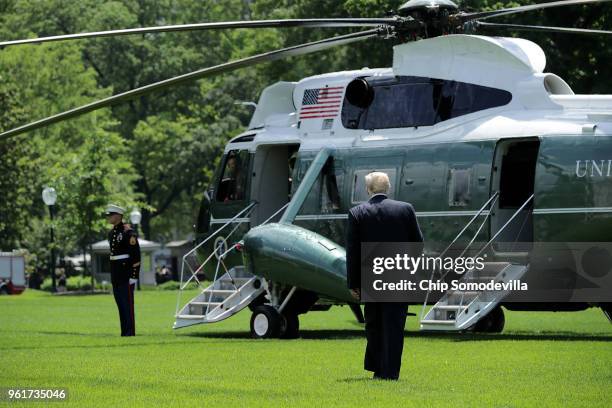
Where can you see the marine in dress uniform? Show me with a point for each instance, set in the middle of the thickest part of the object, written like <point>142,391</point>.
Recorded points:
<point>125,267</point>
<point>380,219</point>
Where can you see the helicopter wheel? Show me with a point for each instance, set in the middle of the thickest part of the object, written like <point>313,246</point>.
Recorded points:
<point>492,323</point>
<point>291,327</point>
<point>265,322</point>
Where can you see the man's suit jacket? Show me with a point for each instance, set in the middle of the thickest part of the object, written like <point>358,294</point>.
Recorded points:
<point>378,220</point>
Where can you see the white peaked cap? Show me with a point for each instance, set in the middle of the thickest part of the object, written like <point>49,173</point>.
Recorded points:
<point>112,208</point>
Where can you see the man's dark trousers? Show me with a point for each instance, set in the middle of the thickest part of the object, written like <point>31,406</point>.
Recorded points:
<point>124,297</point>
<point>384,324</point>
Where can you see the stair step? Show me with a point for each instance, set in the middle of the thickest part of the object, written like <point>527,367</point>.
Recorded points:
<point>450,307</point>
<point>236,280</point>
<point>464,292</point>
<point>437,322</point>
<point>191,317</point>
<point>205,303</point>
<point>481,277</point>
<point>221,291</point>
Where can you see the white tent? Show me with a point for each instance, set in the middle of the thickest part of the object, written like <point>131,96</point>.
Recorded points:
<point>101,263</point>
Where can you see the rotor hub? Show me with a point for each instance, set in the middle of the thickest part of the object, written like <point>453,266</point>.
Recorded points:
<point>411,6</point>
<point>434,16</point>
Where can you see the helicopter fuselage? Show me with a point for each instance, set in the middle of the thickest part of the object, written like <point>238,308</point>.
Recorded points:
<point>450,132</point>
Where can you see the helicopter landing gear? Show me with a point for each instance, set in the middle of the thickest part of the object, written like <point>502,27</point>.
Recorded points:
<point>267,322</point>
<point>291,327</point>
<point>492,323</point>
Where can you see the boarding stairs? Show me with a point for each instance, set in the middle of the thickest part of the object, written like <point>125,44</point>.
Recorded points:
<point>231,289</point>
<point>235,288</point>
<point>224,297</point>
<point>461,308</point>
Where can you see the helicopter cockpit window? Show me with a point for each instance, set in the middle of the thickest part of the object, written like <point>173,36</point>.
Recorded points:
<point>232,186</point>
<point>404,101</point>
<point>360,192</point>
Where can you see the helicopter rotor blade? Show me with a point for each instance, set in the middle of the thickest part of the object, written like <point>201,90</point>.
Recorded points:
<point>519,27</point>
<point>313,22</point>
<point>296,50</point>
<point>481,15</point>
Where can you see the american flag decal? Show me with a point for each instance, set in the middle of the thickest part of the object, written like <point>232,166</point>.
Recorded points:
<point>321,103</point>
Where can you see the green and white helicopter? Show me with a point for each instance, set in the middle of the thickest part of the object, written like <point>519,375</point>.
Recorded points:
<point>495,155</point>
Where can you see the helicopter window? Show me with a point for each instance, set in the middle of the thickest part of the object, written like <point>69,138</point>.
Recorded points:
<point>232,185</point>
<point>459,188</point>
<point>401,105</point>
<point>405,101</point>
<point>360,192</point>
<point>330,197</point>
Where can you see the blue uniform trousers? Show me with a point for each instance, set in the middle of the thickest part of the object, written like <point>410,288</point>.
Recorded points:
<point>124,297</point>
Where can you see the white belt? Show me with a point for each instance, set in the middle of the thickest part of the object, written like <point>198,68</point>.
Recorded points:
<point>118,257</point>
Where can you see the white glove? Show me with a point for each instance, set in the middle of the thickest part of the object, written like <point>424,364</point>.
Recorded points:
<point>133,281</point>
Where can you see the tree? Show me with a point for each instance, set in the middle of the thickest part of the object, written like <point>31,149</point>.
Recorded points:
<point>86,162</point>
<point>175,136</point>
<point>15,171</point>
<point>90,177</point>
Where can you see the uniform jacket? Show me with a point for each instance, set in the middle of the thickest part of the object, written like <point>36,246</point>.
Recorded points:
<point>380,219</point>
<point>123,241</point>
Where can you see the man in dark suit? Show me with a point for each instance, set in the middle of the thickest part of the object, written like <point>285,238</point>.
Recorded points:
<point>380,220</point>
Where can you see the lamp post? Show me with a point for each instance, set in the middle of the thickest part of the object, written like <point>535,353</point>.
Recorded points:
<point>49,197</point>
<point>135,217</point>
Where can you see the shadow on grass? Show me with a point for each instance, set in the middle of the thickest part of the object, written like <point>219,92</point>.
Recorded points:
<point>368,380</point>
<point>356,380</point>
<point>331,334</point>
<point>528,336</point>
<point>325,334</point>
<point>67,333</point>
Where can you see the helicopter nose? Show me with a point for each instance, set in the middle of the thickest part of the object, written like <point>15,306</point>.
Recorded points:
<point>295,256</point>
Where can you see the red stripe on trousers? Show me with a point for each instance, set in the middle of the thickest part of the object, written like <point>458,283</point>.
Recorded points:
<point>131,298</point>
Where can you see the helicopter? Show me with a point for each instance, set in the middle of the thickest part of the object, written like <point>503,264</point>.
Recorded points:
<point>470,130</point>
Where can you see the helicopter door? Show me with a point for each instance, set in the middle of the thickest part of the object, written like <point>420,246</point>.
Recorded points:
<point>272,177</point>
<point>514,177</point>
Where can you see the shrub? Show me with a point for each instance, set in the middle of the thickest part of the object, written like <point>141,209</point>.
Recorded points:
<point>73,283</point>
<point>174,285</point>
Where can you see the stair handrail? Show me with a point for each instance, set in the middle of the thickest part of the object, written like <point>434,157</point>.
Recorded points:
<point>478,213</point>
<point>194,273</point>
<point>518,211</point>
<point>496,235</point>
<point>251,205</point>
<point>467,247</point>
<point>222,255</point>
<point>246,210</point>
<point>506,224</point>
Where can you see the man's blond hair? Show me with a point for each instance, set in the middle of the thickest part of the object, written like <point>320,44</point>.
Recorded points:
<point>377,182</point>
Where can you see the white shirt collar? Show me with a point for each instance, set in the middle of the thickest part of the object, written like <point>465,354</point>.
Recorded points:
<point>378,194</point>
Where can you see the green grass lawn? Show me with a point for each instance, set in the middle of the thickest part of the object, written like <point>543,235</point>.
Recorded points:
<point>541,359</point>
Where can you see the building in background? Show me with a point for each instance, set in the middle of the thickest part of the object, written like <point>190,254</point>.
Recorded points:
<point>101,263</point>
